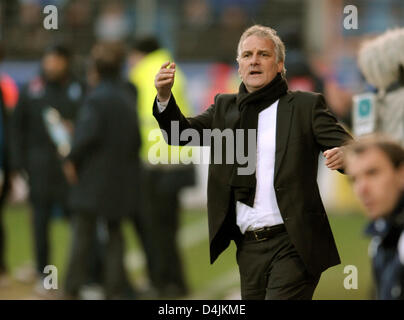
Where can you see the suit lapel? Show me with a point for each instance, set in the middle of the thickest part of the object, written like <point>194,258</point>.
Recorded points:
<point>283,125</point>
<point>232,117</point>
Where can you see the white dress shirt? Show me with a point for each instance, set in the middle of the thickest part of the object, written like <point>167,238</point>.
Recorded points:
<point>161,105</point>
<point>265,211</point>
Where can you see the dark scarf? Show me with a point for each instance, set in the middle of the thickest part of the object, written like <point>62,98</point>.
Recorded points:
<point>250,105</point>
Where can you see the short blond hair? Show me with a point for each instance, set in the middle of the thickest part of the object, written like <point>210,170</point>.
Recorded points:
<point>265,32</point>
<point>390,147</point>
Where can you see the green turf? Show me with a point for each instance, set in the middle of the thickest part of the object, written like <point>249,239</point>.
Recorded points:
<point>205,280</point>
<point>352,246</point>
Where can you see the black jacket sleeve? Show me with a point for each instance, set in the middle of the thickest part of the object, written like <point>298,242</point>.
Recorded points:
<point>327,131</point>
<point>173,113</point>
<point>87,132</point>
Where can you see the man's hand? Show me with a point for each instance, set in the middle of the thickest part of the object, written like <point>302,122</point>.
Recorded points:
<point>334,158</point>
<point>70,172</point>
<point>164,81</point>
<point>18,187</point>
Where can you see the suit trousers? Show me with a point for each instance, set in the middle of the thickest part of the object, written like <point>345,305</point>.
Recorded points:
<point>43,211</point>
<point>272,269</point>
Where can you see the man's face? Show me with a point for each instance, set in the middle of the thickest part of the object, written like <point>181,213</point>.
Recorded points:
<point>54,67</point>
<point>257,62</point>
<point>134,58</point>
<point>375,181</point>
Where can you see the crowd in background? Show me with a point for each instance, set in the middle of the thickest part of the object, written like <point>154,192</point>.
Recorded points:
<point>78,144</point>
<point>206,30</point>
<point>85,21</point>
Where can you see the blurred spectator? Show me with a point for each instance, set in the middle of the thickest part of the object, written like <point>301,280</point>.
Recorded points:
<point>28,37</point>
<point>162,183</point>
<point>233,21</point>
<point>195,29</point>
<point>79,31</point>
<point>300,75</point>
<point>340,100</point>
<point>376,166</point>
<point>197,14</point>
<point>195,35</point>
<point>34,150</point>
<point>112,23</point>
<point>10,91</point>
<point>8,86</point>
<point>103,169</point>
<point>4,180</point>
<point>381,61</point>
<point>250,7</point>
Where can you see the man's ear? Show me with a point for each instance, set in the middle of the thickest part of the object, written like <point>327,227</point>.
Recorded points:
<point>280,66</point>
<point>239,73</point>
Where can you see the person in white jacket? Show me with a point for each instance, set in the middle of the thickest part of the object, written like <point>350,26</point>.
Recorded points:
<point>381,61</point>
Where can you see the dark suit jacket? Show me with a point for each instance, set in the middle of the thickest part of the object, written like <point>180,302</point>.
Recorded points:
<point>304,128</point>
<point>5,150</point>
<point>32,148</point>
<point>105,152</point>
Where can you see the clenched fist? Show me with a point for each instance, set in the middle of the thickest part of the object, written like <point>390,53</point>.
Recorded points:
<point>334,158</point>
<point>164,81</point>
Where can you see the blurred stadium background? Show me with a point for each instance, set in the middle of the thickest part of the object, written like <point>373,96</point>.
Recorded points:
<point>202,36</point>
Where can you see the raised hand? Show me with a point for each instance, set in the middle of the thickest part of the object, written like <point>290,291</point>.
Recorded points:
<point>164,81</point>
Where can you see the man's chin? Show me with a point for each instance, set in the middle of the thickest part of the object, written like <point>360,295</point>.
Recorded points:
<point>254,86</point>
<point>375,214</point>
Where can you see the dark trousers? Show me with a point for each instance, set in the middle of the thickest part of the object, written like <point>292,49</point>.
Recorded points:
<point>273,270</point>
<point>3,196</point>
<point>3,267</point>
<point>157,225</point>
<point>42,213</point>
<point>115,281</point>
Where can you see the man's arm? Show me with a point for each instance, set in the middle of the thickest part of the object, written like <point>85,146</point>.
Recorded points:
<point>166,110</point>
<point>329,134</point>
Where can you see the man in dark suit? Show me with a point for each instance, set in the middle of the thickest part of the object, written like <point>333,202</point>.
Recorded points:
<point>274,214</point>
<point>102,168</point>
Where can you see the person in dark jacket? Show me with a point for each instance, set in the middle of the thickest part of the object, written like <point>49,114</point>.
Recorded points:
<point>34,150</point>
<point>376,166</point>
<point>103,168</point>
<point>4,180</point>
